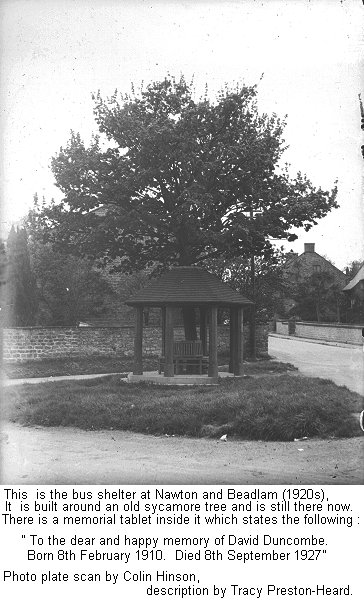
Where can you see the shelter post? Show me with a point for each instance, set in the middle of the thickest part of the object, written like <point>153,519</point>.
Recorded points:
<point>168,336</point>
<point>163,315</point>
<point>203,330</point>
<point>232,339</point>
<point>253,335</point>
<point>213,368</point>
<point>238,367</point>
<point>138,341</point>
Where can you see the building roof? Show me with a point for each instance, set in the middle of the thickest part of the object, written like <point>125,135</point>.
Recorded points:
<point>191,286</point>
<point>358,277</point>
<point>295,260</point>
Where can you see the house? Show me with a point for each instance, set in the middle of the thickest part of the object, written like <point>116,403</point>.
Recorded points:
<point>297,270</point>
<point>300,267</point>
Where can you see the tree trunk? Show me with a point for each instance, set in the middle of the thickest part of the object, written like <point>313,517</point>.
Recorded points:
<point>189,322</point>
<point>318,314</point>
<point>338,316</point>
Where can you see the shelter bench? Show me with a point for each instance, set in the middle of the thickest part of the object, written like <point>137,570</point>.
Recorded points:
<point>187,358</point>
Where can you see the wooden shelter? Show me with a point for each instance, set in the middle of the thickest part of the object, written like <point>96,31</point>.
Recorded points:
<point>192,287</point>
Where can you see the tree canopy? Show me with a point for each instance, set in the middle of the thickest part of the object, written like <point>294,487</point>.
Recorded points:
<point>70,289</point>
<point>319,298</point>
<point>266,285</point>
<point>181,180</point>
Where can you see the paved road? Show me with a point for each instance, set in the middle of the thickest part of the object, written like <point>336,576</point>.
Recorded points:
<point>343,365</point>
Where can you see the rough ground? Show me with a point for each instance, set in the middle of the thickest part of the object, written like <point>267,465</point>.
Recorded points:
<point>69,456</point>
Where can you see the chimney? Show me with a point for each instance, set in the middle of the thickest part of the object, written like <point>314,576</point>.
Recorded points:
<point>309,248</point>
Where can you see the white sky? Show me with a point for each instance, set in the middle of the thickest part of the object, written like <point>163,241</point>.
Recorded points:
<point>55,53</point>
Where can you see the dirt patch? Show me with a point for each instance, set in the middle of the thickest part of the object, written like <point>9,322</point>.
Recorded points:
<point>59,455</point>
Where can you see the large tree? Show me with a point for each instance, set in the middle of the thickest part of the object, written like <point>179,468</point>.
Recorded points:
<point>183,179</point>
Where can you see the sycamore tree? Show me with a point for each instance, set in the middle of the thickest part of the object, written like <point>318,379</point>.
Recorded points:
<point>183,180</point>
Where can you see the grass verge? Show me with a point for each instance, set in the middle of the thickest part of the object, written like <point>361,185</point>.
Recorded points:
<point>265,408</point>
<point>54,367</point>
<point>109,364</point>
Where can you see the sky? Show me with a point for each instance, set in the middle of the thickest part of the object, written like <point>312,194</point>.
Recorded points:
<point>55,54</point>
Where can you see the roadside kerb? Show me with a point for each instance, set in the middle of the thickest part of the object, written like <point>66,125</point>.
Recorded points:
<point>313,341</point>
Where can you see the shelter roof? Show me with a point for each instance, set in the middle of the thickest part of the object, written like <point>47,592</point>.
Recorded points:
<point>182,286</point>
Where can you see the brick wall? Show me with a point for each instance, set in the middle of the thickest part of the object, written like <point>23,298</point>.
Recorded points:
<point>36,343</point>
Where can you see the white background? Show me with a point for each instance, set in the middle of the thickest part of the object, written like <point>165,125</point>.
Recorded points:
<point>341,566</point>
<point>55,54</point>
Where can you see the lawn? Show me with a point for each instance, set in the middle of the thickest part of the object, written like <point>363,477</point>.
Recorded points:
<point>270,406</point>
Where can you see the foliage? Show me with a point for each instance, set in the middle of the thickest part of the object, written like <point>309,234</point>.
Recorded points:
<point>95,288</point>
<point>319,298</point>
<point>272,407</point>
<point>180,178</point>
<point>352,269</point>
<point>263,282</point>
<point>21,299</point>
<point>69,288</point>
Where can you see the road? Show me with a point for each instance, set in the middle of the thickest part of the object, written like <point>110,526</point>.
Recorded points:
<point>343,365</point>
<point>63,455</point>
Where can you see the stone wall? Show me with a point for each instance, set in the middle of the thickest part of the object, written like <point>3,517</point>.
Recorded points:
<point>346,334</point>
<point>22,344</point>
<point>329,332</point>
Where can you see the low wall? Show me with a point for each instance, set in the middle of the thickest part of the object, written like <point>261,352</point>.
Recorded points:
<point>21,344</point>
<point>328,332</point>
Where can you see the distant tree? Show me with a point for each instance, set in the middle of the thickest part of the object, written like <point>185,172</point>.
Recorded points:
<point>181,180</point>
<point>352,269</point>
<point>21,302</point>
<point>70,290</point>
<point>319,298</point>
<point>73,288</point>
<point>266,284</point>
